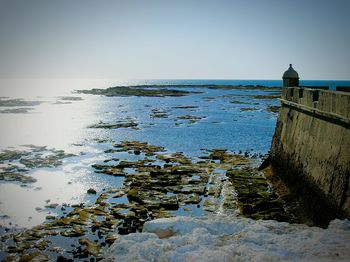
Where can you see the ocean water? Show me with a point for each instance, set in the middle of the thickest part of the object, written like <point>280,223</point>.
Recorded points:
<point>62,123</point>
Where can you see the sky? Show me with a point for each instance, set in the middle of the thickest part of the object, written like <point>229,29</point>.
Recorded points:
<point>237,39</point>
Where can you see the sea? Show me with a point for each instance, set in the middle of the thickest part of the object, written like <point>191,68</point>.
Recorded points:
<point>56,117</point>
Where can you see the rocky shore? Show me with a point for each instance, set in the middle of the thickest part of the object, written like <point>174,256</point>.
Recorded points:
<point>157,184</point>
<point>144,181</point>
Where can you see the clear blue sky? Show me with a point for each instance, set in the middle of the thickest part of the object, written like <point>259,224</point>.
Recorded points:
<point>237,39</point>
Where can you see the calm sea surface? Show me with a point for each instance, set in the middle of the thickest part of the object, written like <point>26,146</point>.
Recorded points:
<point>231,119</point>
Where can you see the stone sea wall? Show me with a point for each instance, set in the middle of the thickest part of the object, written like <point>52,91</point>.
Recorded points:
<point>311,144</point>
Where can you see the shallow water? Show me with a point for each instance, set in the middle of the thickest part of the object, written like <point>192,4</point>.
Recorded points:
<point>61,123</point>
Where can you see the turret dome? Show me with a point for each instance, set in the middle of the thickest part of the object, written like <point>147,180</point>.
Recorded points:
<point>290,77</point>
<point>290,73</point>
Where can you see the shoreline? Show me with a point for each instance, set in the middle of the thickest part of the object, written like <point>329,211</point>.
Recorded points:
<point>134,181</point>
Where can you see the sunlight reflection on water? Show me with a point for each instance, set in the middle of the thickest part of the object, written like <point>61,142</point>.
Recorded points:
<point>22,203</point>
<point>63,126</point>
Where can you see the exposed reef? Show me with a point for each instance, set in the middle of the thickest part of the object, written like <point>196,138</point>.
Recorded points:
<point>190,118</point>
<point>158,184</point>
<point>248,109</point>
<point>15,164</point>
<point>62,100</point>
<point>168,90</point>
<point>17,102</point>
<point>70,98</point>
<point>255,195</point>
<point>17,106</point>
<point>274,96</point>
<point>118,124</point>
<point>134,91</point>
<point>273,109</point>
<point>23,110</point>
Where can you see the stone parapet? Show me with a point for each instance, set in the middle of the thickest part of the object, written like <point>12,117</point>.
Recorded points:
<point>325,100</point>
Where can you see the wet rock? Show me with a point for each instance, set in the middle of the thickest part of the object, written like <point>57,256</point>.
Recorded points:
<point>63,259</point>
<point>238,102</point>
<point>101,198</point>
<point>23,110</point>
<point>158,113</point>
<point>52,157</point>
<point>165,233</point>
<point>133,195</point>
<point>71,98</point>
<point>9,258</point>
<point>74,232</point>
<point>141,146</point>
<point>42,244</point>
<point>135,91</point>
<point>91,191</point>
<point>52,206</point>
<point>109,170</point>
<point>208,98</point>
<point>274,96</point>
<point>90,247</point>
<point>210,205</point>
<point>17,102</point>
<point>185,107</point>
<point>191,119</point>
<point>227,158</point>
<point>169,203</point>
<point>110,239</point>
<point>190,199</point>
<point>121,124</point>
<point>272,109</point>
<point>174,158</point>
<point>119,194</point>
<point>248,109</point>
<point>33,256</point>
<point>133,164</point>
<point>256,199</point>
<point>189,189</point>
<point>17,177</point>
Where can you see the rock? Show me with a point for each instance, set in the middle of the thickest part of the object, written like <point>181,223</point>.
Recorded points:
<point>255,197</point>
<point>133,195</point>
<point>165,233</point>
<point>91,191</point>
<point>110,239</point>
<point>62,259</point>
<point>6,176</point>
<point>33,256</point>
<point>135,91</point>
<point>42,244</point>
<point>53,205</point>
<point>90,247</point>
<point>129,124</point>
<point>74,232</point>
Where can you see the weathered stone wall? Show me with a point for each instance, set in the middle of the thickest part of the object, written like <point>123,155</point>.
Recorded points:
<point>312,142</point>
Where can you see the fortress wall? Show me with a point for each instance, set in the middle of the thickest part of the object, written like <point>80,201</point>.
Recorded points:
<point>312,142</point>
